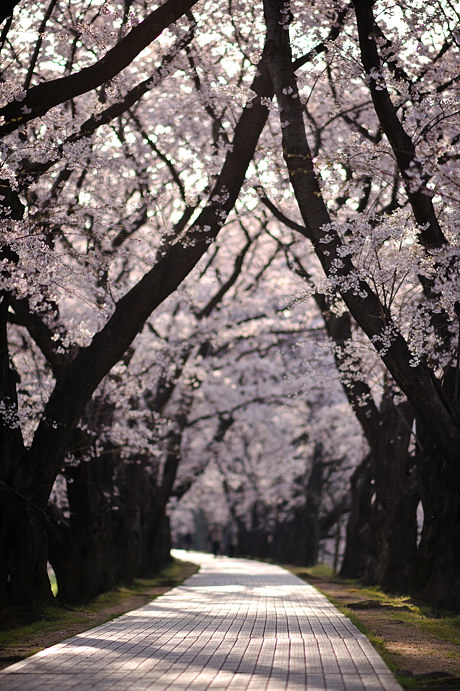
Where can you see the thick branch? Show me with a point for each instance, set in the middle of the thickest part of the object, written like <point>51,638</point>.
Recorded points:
<point>41,98</point>
<point>403,147</point>
<point>30,171</point>
<point>74,389</point>
<point>41,334</point>
<point>418,382</point>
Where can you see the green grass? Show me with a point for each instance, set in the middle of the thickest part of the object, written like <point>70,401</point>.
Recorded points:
<point>57,619</point>
<point>50,619</point>
<point>318,571</point>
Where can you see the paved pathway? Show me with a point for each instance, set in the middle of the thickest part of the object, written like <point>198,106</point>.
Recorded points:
<point>237,624</point>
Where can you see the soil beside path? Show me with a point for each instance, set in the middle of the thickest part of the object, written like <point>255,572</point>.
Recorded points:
<point>420,659</point>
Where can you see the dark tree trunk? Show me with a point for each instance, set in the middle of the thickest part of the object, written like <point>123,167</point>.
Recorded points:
<point>156,536</point>
<point>436,567</point>
<point>360,548</point>
<point>157,545</point>
<point>256,539</point>
<point>396,498</point>
<point>80,549</point>
<point>296,540</point>
<point>127,520</point>
<point>23,548</point>
<point>310,537</point>
<point>382,527</point>
<point>141,540</point>
<point>23,574</point>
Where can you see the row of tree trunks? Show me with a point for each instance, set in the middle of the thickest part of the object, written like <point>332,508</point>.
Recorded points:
<point>116,528</point>
<point>108,538</point>
<point>381,546</point>
<point>292,539</point>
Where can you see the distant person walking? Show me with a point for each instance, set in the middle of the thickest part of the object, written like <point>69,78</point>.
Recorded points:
<point>215,538</point>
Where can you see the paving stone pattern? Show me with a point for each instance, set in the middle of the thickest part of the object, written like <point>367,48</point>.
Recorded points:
<point>237,624</point>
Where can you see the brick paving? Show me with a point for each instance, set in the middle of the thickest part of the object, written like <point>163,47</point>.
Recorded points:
<point>237,624</point>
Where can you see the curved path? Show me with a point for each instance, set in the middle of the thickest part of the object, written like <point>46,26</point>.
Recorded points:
<point>237,624</point>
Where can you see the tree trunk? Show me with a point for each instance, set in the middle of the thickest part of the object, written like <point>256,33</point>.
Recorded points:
<point>257,539</point>
<point>81,548</point>
<point>396,498</point>
<point>435,577</point>
<point>23,547</point>
<point>131,479</point>
<point>360,548</point>
<point>155,541</point>
<point>23,574</point>
<point>311,511</point>
<point>382,527</point>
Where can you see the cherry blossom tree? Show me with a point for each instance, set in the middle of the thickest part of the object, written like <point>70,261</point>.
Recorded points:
<point>260,466</point>
<point>411,364</point>
<point>132,138</point>
<point>32,233</point>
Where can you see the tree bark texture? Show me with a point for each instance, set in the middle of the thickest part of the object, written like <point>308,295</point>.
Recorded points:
<point>435,575</point>
<point>360,554</point>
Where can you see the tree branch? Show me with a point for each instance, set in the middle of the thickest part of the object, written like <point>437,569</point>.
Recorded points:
<point>414,177</point>
<point>41,98</point>
<point>76,386</point>
<point>30,171</point>
<point>417,381</point>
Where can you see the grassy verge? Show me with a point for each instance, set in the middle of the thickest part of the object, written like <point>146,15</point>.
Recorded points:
<point>56,624</point>
<point>396,626</point>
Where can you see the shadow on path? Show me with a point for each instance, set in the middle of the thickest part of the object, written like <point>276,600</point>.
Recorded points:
<point>236,624</point>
